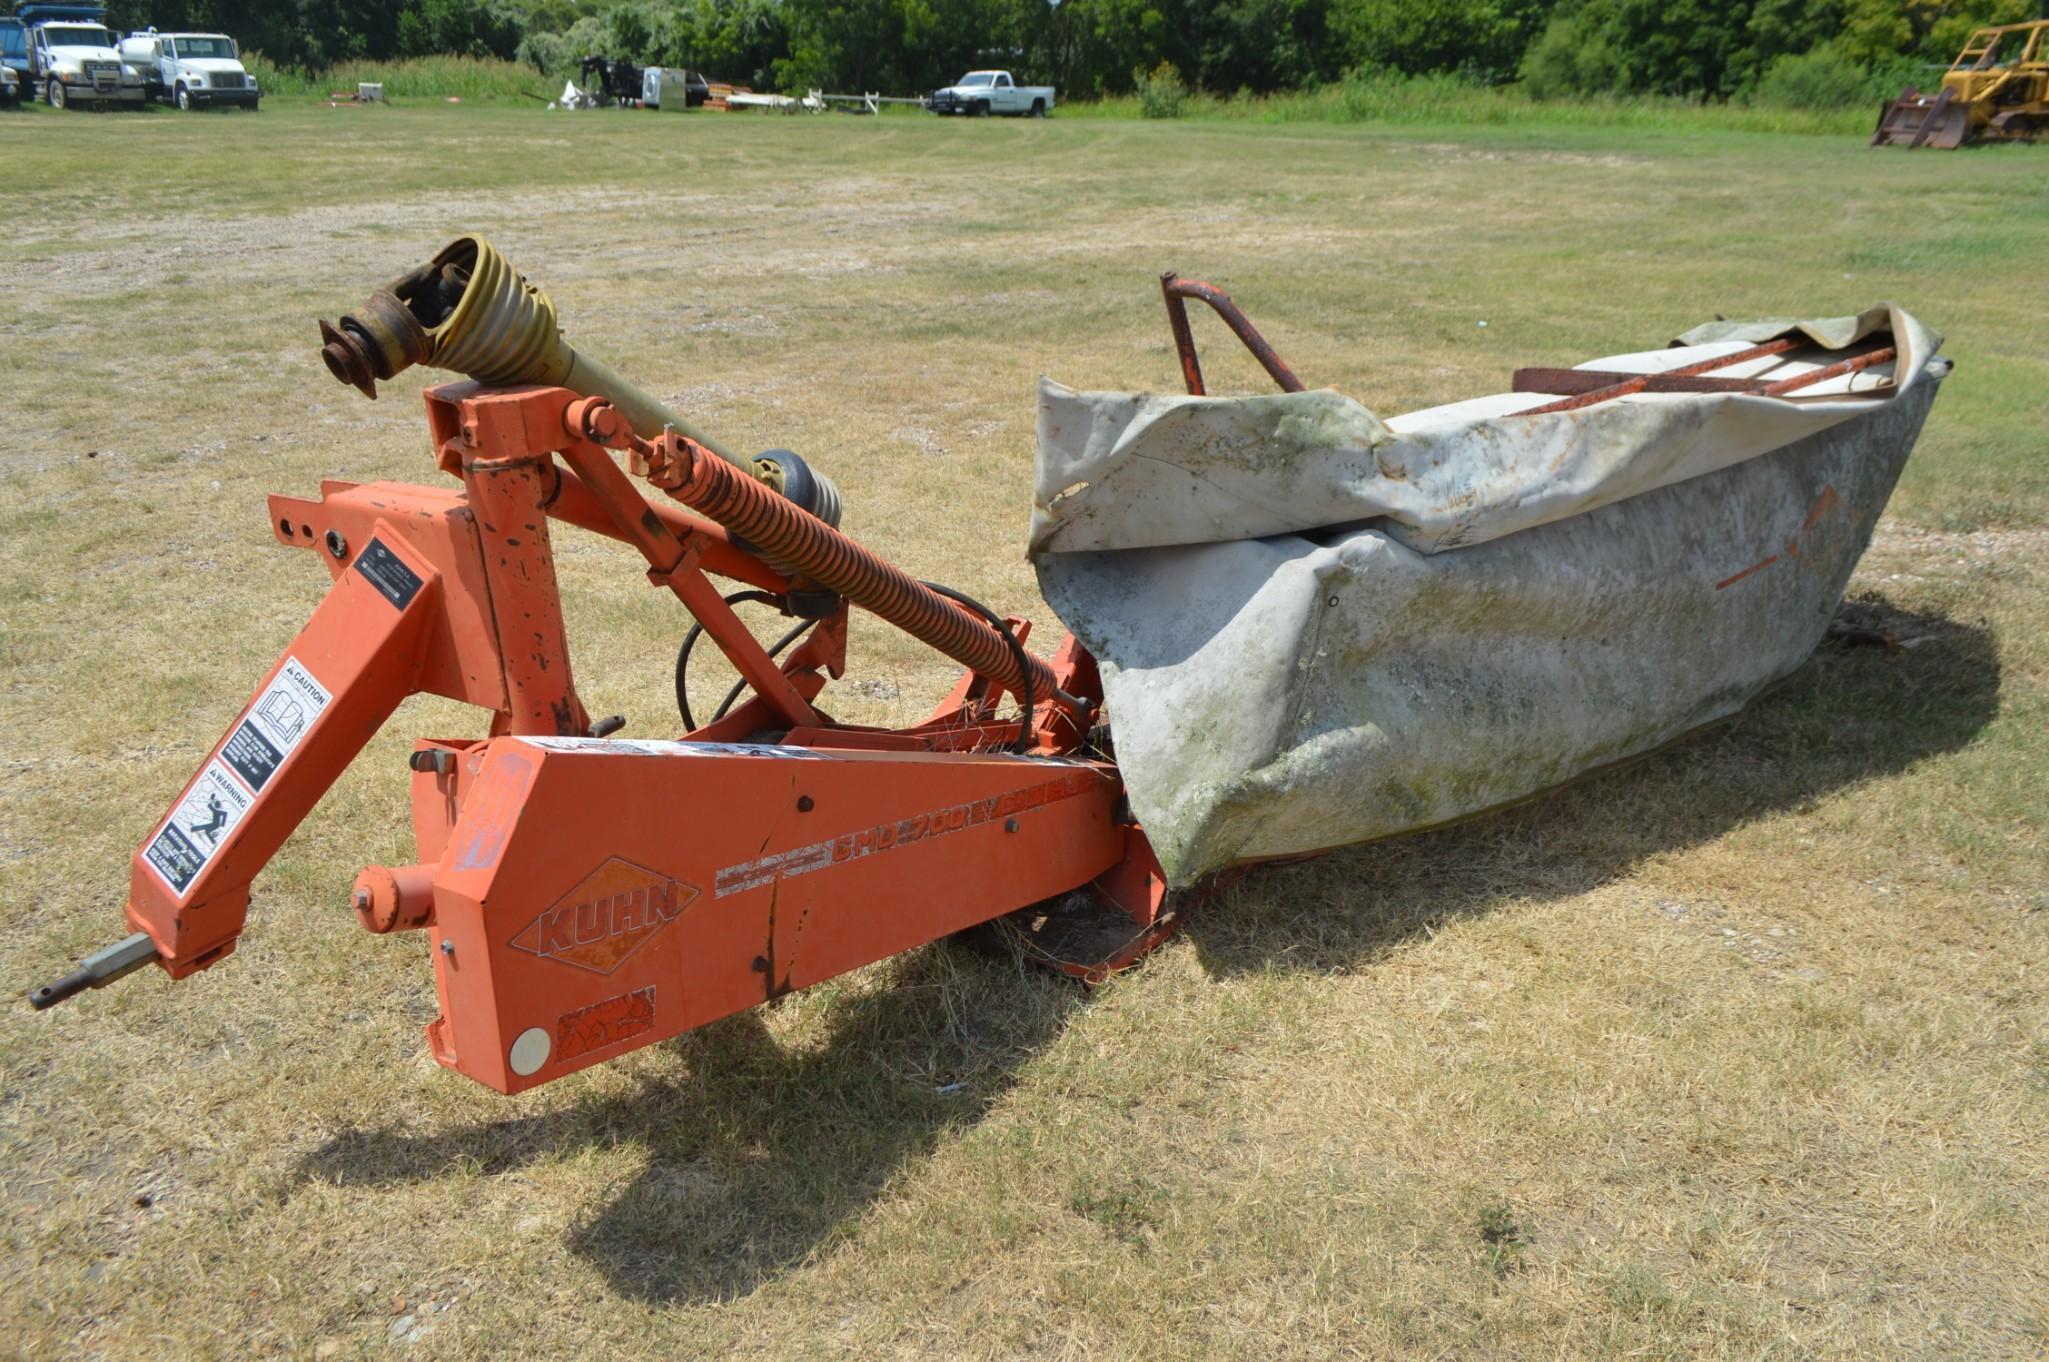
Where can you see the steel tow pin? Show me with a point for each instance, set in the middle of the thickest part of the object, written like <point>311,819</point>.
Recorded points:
<point>99,969</point>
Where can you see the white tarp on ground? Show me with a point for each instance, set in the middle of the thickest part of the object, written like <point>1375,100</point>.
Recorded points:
<point>1317,627</point>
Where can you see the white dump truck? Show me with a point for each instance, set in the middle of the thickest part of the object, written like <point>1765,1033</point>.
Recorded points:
<point>13,61</point>
<point>192,70</point>
<point>72,58</point>
<point>982,93</point>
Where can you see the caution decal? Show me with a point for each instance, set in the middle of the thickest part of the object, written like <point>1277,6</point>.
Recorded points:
<point>203,821</point>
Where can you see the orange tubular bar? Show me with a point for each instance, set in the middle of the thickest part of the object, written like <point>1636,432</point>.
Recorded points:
<point>575,505</point>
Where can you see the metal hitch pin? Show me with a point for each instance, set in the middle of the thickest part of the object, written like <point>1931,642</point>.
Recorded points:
<point>99,969</point>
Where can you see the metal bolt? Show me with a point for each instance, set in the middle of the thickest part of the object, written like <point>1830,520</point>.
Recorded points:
<point>1010,825</point>
<point>448,948</point>
<point>361,902</point>
<point>337,545</point>
<point>804,804</point>
<point>601,423</point>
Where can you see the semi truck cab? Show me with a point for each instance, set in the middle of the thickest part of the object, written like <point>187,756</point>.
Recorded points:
<point>192,70</point>
<point>14,82</point>
<point>72,57</point>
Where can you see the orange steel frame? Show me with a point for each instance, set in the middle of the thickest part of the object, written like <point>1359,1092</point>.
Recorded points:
<point>586,895</point>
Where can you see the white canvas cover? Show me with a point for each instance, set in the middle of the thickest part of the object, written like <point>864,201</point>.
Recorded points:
<point>1317,627</point>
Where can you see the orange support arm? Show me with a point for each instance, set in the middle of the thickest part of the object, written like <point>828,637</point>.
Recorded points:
<point>336,684</point>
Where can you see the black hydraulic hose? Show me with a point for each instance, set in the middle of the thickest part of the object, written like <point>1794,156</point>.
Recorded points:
<point>1021,745</point>
<point>774,650</point>
<point>690,641</point>
<point>1001,626</point>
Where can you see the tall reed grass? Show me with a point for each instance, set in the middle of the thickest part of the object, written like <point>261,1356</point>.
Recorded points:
<point>471,79</point>
<point>1447,100</point>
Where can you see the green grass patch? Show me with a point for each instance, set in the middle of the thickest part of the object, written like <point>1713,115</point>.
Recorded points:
<point>480,80</point>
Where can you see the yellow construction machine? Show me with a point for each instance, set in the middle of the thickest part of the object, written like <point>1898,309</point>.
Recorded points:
<point>1996,90</point>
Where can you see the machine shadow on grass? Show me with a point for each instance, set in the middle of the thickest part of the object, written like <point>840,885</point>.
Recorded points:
<point>762,1152</point>
<point>1854,710</point>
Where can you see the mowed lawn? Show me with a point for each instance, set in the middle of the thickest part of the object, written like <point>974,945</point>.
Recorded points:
<point>1740,1051</point>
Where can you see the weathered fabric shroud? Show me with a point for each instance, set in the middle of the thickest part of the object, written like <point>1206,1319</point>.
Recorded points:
<point>1318,628</point>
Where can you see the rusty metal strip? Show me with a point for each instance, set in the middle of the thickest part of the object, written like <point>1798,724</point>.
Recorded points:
<point>1845,366</point>
<point>1576,381</point>
<point>1935,111</point>
<point>1642,381</point>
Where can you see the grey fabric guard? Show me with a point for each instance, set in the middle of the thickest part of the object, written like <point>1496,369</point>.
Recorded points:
<point>1318,628</point>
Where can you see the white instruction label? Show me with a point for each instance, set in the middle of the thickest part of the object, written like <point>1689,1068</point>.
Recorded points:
<point>276,723</point>
<point>227,788</point>
<point>290,704</point>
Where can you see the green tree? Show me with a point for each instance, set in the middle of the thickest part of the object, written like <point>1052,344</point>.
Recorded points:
<point>1482,38</point>
<point>463,28</point>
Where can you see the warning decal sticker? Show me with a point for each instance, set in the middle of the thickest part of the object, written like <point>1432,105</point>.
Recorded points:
<point>198,826</point>
<point>174,859</point>
<point>384,570</point>
<point>228,785</point>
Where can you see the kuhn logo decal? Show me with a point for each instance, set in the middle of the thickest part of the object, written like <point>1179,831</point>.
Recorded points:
<point>608,916</point>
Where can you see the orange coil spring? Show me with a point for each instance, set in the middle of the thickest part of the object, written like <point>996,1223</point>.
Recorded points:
<point>785,534</point>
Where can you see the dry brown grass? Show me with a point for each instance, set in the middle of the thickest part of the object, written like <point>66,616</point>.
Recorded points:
<point>1743,1051</point>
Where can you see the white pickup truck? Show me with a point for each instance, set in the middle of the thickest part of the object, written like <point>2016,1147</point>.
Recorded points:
<point>192,70</point>
<point>75,61</point>
<point>982,93</point>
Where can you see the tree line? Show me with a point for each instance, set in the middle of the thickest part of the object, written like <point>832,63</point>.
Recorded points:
<point>1702,49</point>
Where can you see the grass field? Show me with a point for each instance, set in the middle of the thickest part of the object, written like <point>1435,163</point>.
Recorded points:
<point>1742,1051</point>
<point>1434,101</point>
